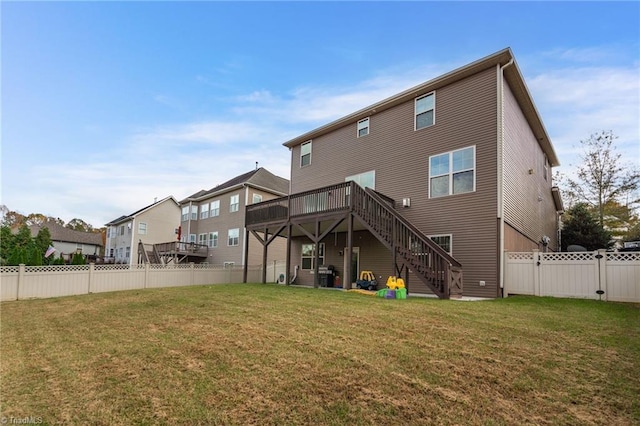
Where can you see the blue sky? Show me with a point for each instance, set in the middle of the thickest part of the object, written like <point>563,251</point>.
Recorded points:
<point>106,106</point>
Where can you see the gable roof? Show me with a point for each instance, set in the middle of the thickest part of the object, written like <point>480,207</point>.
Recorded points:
<point>512,75</point>
<point>127,218</point>
<point>67,235</point>
<point>260,178</point>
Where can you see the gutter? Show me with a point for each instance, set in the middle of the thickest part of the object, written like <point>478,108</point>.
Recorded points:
<point>500,186</point>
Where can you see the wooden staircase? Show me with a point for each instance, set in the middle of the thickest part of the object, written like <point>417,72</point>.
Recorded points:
<point>147,253</point>
<point>426,259</point>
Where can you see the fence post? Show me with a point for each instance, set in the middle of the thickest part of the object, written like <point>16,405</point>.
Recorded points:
<point>505,268</point>
<point>537,261</point>
<point>601,258</point>
<point>91,271</point>
<point>21,269</point>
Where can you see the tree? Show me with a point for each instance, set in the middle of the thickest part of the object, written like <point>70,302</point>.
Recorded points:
<point>581,228</point>
<point>42,243</point>
<point>602,178</point>
<point>13,219</point>
<point>79,225</point>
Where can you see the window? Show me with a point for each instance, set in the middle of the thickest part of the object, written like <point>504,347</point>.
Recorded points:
<point>194,212</point>
<point>305,154</point>
<point>142,228</point>
<point>443,241</point>
<point>363,127</point>
<point>213,239</point>
<point>185,213</point>
<point>309,255</point>
<point>425,110</point>
<point>127,253</point>
<point>234,203</point>
<point>202,239</point>
<point>257,198</point>
<point>192,238</point>
<point>204,211</point>
<point>365,180</point>
<point>545,169</point>
<point>452,172</point>
<point>234,237</point>
<point>121,230</point>
<point>215,208</point>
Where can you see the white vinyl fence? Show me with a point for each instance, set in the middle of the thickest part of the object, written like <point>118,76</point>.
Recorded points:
<point>26,282</point>
<point>602,275</point>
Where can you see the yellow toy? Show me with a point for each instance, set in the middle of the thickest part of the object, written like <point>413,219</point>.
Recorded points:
<point>395,283</point>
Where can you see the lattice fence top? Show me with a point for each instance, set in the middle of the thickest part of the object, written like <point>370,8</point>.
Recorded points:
<point>581,255</point>
<point>520,256</point>
<point>588,256</point>
<point>118,267</point>
<point>56,268</point>
<point>624,256</point>
<point>8,269</point>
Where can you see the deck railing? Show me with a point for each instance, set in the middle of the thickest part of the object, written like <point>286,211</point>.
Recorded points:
<point>180,247</point>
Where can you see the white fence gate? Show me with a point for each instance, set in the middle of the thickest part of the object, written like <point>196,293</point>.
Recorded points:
<point>602,275</point>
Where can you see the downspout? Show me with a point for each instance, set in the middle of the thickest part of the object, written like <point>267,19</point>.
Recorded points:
<point>501,171</point>
<point>244,228</point>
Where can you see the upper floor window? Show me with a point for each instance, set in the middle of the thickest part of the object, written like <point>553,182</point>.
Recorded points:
<point>142,228</point>
<point>204,211</point>
<point>121,230</point>
<point>215,208</point>
<point>545,168</point>
<point>234,203</point>
<point>452,172</point>
<point>202,239</point>
<point>305,154</point>
<point>234,237</point>
<point>194,212</point>
<point>192,238</point>
<point>257,198</point>
<point>365,180</point>
<point>425,110</point>
<point>363,127</point>
<point>185,213</point>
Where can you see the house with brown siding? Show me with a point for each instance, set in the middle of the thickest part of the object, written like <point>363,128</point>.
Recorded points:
<point>215,218</point>
<point>432,184</point>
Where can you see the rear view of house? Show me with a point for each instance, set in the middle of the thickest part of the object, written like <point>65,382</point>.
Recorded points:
<point>432,184</point>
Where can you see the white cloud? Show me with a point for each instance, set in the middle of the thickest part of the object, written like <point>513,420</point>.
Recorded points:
<point>576,102</point>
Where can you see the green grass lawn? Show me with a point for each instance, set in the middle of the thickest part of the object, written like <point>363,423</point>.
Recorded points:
<point>266,354</point>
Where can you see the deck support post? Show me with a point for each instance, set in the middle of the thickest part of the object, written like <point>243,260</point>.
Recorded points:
<point>246,256</point>
<point>349,254</point>
<point>265,247</point>
<point>288,259</point>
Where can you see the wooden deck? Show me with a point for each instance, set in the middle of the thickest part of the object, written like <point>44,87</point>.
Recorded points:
<point>318,212</point>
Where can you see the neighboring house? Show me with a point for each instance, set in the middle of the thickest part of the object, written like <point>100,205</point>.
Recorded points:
<point>215,218</point>
<point>458,170</point>
<point>155,223</point>
<point>67,241</point>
